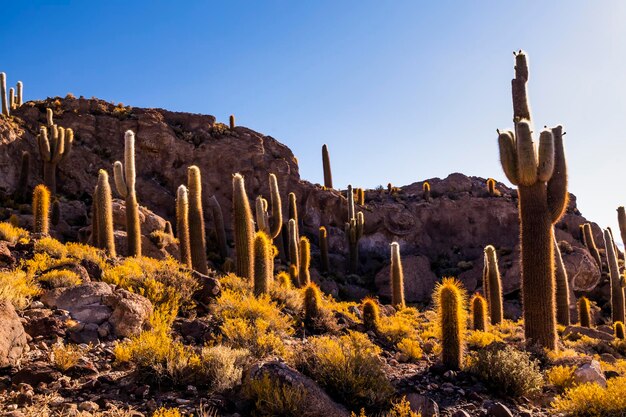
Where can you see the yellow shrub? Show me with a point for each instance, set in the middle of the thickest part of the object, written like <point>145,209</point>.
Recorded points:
<point>401,408</point>
<point>51,246</point>
<point>477,339</point>
<point>271,398</point>
<point>411,348</point>
<point>400,326</point>
<point>40,262</point>
<point>13,234</point>
<point>60,278</point>
<point>591,400</point>
<point>85,252</point>
<point>167,412</point>
<point>561,377</point>
<point>18,288</point>
<point>65,356</point>
<point>556,355</point>
<point>255,336</point>
<point>222,366</point>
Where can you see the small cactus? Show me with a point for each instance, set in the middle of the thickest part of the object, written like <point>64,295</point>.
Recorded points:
<point>293,273</point>
<point>591,244</point>
<point>397,277</point>
<point>450,299</point>
<point>584,312</point>
<point>619,330</point>
<point>55,144</point>
<point>218,224</point>
<point>323,244</point>
<point>304,276</point>
<point>167,229</point>
<point>284,280</point>
<point>328,176</point>
<point>104,211</point>
<point>312,302</point>
<point>617,291</point>
<point>562,289</point>
<point>182,225</point>
<point>41,210</point>
<point>262,268</point>
<point>426,190</point>
<point>371,314</point>
<point>3,93</point>
<point>231,121</point>
<point>197,231</point>
<point>494,285</point>
<point>478,305</point>
<point>125,175</point>
<point>244,229</point>
<point>360,196</point>
<point>491,187</point>
<point>20,93</point>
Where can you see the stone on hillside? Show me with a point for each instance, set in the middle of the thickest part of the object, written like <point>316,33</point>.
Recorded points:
<point>13,340</point>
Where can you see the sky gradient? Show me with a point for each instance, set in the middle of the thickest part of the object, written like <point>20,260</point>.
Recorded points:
<point>400,91</point>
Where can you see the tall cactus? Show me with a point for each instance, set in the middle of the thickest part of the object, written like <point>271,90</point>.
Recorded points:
<point>197,232</point>
<point>3,93</point>
<point>562,289</point>
<point>182,225</point>
<point>55,144</point>
<point>125,176</point>
<point>244,229</point>
<point>323,244</point>
<point>450,299</point>
<point>494,297</point>
<point>354,232</point>
<point>541,178</point>
<point>270,222</point>
<point>20,93</point>
<point>584,312</point>
<point>262,260</point>
<point>478,306</point>
<point>95,238</point>
<point>12,98</point>
<point>397,277</point>
<point>293,212</point>
<point>41,210</point>
<point>590,243</point>
<point>294,258</point>
<point>231,121</point>
<point>328,175</point>
<point>218,225</point>
<point>104,210</point>
<point>304,276</point>
<point>617,291</point>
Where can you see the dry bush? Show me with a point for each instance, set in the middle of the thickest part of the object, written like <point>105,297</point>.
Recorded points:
<point>401,325</point>
<point>167,412</point>
<point>58,278</point>
<point>223,366</point>
<point>18,288</point>
<point>477,339</point>
<point>272,398</point>
<point>51,246</point>
<point>401,408</point>
<point>560,377</point>
<point>411,349</point>
<point>591,400</point>
<point>64,356</point>
<point>13,234</point>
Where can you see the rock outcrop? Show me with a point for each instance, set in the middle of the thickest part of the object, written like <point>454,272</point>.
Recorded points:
<point>13,341</point>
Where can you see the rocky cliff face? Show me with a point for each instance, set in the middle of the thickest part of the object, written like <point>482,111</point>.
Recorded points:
<point>442,236</point>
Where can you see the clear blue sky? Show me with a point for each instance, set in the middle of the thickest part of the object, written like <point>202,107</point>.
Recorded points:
<point>400,90</point>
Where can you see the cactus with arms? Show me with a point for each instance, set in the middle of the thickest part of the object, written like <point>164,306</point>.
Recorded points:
<point>55,144</point>
<point>125,176</point>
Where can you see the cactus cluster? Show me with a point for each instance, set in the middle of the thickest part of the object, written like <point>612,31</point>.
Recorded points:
<point>125,177</point>
<point>55,144</point>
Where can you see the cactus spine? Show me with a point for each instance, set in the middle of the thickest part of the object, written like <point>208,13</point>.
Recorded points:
<point>312,302</point>
<point>450,299</point>
<point>590,243</point>
<point>55,144</point>
<point>3,93</point>
<point>244,229</point>
<point>182,225</point>
<point>197,232</point>
<point>218,224</point>
<point>125,176</point>
<point>478,306</point>
<point>397,277</point>
<point>323,243</point>
<point>262,260</point>
<point>494,285</point>
<point>542,188</point>
<point>41,210</point>
<point>104,211</point>
<point>617,292</point>
<point>371,314</point>
<point>328,175</point>
<point>562,289</point>
<point>354,232</point>
<point>584,312</point>
<point>231,121</point>
<point>619,330</point>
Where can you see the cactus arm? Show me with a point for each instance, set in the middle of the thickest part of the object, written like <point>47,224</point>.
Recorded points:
<point>546,156</point>
<point>276,223</point>
<point>617,292</point>
<point>49,117</point>
<point>557,186</point>
<point>129,160</point>
<point>118,176</point>
<point>508,155</point>
<point>526,154</point>
<point>521,108</point>
<point>44,144</point>
<point>261,215</point>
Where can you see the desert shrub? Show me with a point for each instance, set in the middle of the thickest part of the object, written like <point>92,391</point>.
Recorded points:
<point>18,288</point>
<point>411,349</point>
<point>560,377</point>
<point>287,297</point>
<point>401,408</point>
<point>591,400</point>
<point>167,412</point>
<point>349,368</point>
<point>222,366</point>
<point>64,356</point>
<point>401,325</point>
<point>507,370</point>
<point>272,398</point>
<point>256,336</point>
<point>13,234</point>
<point>89,253</point>
<point>477,339</point>
<point>162,239</point>
<point>51,246</point>
<point>60,278</point>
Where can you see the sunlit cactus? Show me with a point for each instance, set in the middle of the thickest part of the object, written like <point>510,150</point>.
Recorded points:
<point>270,222</point>
<point>41,210</point>
<point>328,176</point>
<point>494,285</point>
<point>55,144</point>
<point>397,277</point>
<point>541,178</point>
<point>312,302</point>
<point>617,291</point>
<point>491,187</point>
<point>619,330</point>
<point>182,225</point>
<point>12,99</point>
<point>293,274</point>
<point>218,224</point>
<point>304,276</point>
<point>562,289</point>
<point>20,93</point>
<point>284,280</point>
<point>450,299</point>
<point>478,307</point>
<point>426,191</point>
<point>231,121</point>
<point>125,176</point>
<point>584,312</point>
<point>104,212</point>
<point>244,229</point>
<point>590,243</point>
<point>262,260</point>
<point>3,93</point>
<point>371,314</point>
<point>294,256</point>
<point>323,244</point>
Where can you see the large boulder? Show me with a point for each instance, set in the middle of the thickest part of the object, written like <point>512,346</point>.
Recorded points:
<point>130,312</point>
<point>13,341</point>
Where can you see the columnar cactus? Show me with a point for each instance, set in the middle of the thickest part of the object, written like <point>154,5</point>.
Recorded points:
<point>55,144</point>
<point>284,280</point>
<point>55,217</point>
<point>323,243</point>
<point>562,289</point>
<point>294,258</point>
<point>371,314</point>
<point>293,211</point>
<point>270,223</point>
<point>262,260</point>
<point>182,225</point>
<point>12,98</point>
<point>244,229</point>
<point>541,178</point>
<point>41,210</point>
<point>590,243</point>
<point>354,232</point>
<point>167,229</point>
<point>3,93</point>
<point>478,306</point>
<point>360,196</point>
<point>426,191</point>
<point>95,239</point>
<point>584,312</point>
<point>312,302</point>
<point>494,285</point>
<point>450,299</point>
<point>621,219</point>
<point>231,121</point>
<point>491,187</point>
<point>104,210</point>
<point>20,93</point>
<point>397,277</point>
<point>619,330</point>
<point>125,176</point>
<point>21,192</point>
<point>617,291</point>
<point>293,274</point>
<point>218,224</point>
<point>328,175</point>
<point>304,257</point>
<point>197,232</point>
